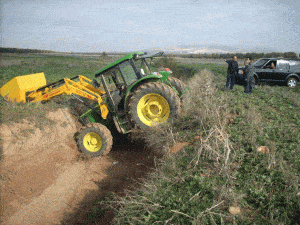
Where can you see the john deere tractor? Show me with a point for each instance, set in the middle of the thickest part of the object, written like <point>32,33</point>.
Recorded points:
<point>128,95</point>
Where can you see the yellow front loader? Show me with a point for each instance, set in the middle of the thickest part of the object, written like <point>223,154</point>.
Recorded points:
<point>33,88</point>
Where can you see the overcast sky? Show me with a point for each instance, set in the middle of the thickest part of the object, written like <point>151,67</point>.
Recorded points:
<point>129,25</point>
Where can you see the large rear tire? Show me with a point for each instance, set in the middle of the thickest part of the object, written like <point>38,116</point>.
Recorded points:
<point>95,140</point>
<point>178,84</point>
<point>152,104</point>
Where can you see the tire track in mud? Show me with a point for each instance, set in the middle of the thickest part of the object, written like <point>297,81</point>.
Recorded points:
<point>129,164</point>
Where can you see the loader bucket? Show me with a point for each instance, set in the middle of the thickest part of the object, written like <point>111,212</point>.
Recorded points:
<point>15,90</point>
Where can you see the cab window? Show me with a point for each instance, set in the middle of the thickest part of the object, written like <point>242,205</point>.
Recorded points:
<point>128,72</point>
<point>142,67</point>
<point>111,85</point>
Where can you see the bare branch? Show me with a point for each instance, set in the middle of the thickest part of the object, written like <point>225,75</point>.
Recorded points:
<point>175,211</point>
<point>195,195</point>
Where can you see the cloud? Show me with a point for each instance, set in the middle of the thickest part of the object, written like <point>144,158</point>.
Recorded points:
<point>140,9</point>
<point>137,23</point>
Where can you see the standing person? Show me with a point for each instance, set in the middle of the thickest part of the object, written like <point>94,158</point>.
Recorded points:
<point>249,76</point>
<point>232,70</point>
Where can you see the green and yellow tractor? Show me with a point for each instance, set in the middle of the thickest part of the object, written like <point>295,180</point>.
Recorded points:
<point>126,93</point>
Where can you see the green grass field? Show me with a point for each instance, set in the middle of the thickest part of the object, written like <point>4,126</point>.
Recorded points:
<point>219,169</point>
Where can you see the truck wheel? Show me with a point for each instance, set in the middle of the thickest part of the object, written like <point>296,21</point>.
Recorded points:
<point>178,84</point>
<point>152,104</point>
<point>94,140</point>
<point>292,82</point>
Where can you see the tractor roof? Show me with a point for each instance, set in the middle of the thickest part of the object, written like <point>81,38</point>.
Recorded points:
<point>135,55</point>
<point>124,58</point>
<point>155,54</point>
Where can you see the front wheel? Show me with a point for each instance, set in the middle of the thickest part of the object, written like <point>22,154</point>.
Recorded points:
<point>292,82</point>
<point>94,140</point>
<point>152,104</point>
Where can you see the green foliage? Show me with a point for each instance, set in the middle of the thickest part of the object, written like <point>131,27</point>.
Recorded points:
<point>267,191</point>
<point>188,70</point>
<point>179,70</point>
<point>174,196</point>
<point>218,70</point>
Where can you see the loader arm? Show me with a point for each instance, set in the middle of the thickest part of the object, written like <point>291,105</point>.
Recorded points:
<point>83,88</point>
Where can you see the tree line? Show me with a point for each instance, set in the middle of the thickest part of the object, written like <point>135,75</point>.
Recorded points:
<point>289,55</point>
<point>23,50</point>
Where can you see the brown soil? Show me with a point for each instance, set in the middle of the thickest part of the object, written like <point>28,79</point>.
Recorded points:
<point>44,180</point>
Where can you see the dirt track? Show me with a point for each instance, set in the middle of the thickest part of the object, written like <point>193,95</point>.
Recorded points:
<point>43,181</point>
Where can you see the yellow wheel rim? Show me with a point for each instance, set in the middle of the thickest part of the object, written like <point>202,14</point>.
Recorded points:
<point>153,109</point>
<point>92,142</point>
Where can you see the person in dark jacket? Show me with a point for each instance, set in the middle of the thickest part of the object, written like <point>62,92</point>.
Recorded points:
<point>249,77</point>
<point>232,70</point>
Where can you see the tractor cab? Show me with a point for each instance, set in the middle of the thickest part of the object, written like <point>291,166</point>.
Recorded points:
<point>120,76</point>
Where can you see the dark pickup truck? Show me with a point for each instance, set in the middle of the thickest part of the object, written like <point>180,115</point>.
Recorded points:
<point>274,70</point>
